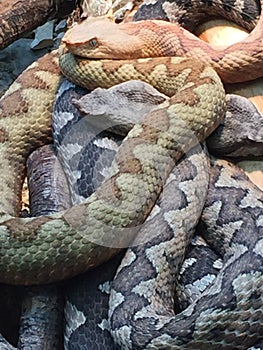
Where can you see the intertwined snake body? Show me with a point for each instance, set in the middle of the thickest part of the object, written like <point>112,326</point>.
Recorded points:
<point>40,250</point>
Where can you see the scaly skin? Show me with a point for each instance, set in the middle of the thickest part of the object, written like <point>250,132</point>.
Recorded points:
<point>100,38</point>
<point>46,249</point>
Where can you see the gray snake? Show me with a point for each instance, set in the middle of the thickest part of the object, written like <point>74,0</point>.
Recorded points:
<point>33,229</point>
<point>138,271</point>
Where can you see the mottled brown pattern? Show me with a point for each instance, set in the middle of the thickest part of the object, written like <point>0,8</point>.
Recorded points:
<point>132,165</point>
<point>30,229</point>
<point>51,64</point>
<point>189,98</point>
<point>3,135</point>
<point>109,190</point>
<point>13,105</point>
<point>125,157</point>
<point>153,63</point>
<point>155,123</point>
<point>30,79</point>
<point>111,66</point>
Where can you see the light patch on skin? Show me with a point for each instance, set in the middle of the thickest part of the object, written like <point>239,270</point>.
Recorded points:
<point>187,263</point>
<point>106,172</point>
<point>71,148</point>
<point>218,264</point>
<point>229,230</point>
<point>197,288</point>
<point>64,86</point>
<point>225,180</point>
<point>147,153</point>
<point>208,72</point>
<point>122,337</point>
<point>7,177</point>
<point>76,317</point>
<point>160,320</point>
<point>148,311</point>
<point>207,320</point>
<point>13,88</point>
<point>64,118</point>
<point>194,195</point>
<point>161,70</point>
<point>259,248</point>
<point>155,211</point>
<point>212,213</point>
<point>198,241</point>
<point>150,2</point>
<point>135,131</point>
<point>239,6</point>
<point>164,341</point>
<point>246,284</point>
<point>217,285</point>
<point>3,229</point>
<point>77,199</point>
<point>173,11</point>
<point>106,143</point>
<point>250,201</point>
<point>171,217</point>
<point>149,59</point>
<point>157,255</point>
<point>45,76</point>
<point>105,287</point>
<point>113,169</point>
<point>145,288</point>
<point>171,177</point>
<point>104,325</point>
<point>115,300</point>
<point>127,260</point>
<point>259,221</point>
<point>183,76</point>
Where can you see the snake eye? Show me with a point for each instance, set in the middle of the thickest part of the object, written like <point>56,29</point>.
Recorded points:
<point>93,43</point>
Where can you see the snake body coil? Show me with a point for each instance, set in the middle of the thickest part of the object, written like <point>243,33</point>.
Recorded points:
<point>50,248</point>
<point>34,250</point>
<point>28,253</point>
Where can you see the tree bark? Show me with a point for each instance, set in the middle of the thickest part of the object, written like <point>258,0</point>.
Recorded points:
<point>18,17</point>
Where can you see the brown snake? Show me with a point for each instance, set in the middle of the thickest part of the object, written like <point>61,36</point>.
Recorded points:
<point>40,250</point>
<point>44,249</point>
<point>102,39</point>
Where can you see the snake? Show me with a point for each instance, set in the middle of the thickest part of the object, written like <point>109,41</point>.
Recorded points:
<point>86,326</point>
<point>40,250</point>
<point>28,253</point>
<point>139,263</point>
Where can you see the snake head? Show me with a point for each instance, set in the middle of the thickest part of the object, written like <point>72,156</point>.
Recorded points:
<point>100,38</point>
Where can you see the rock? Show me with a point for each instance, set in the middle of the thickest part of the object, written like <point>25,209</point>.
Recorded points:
<point>14,59</point>
<point>43,36</point>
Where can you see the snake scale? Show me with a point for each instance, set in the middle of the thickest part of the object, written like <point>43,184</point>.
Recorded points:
<point>85,326</point>
<point>137,289</point>
<point>34,250</point>
<point>39,250</point>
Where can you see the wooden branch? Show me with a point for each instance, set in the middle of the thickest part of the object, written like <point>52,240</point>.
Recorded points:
<point>18,17</point>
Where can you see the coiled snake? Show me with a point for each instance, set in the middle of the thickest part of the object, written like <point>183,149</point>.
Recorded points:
<point>45,249</point>
<point>83,236</point>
